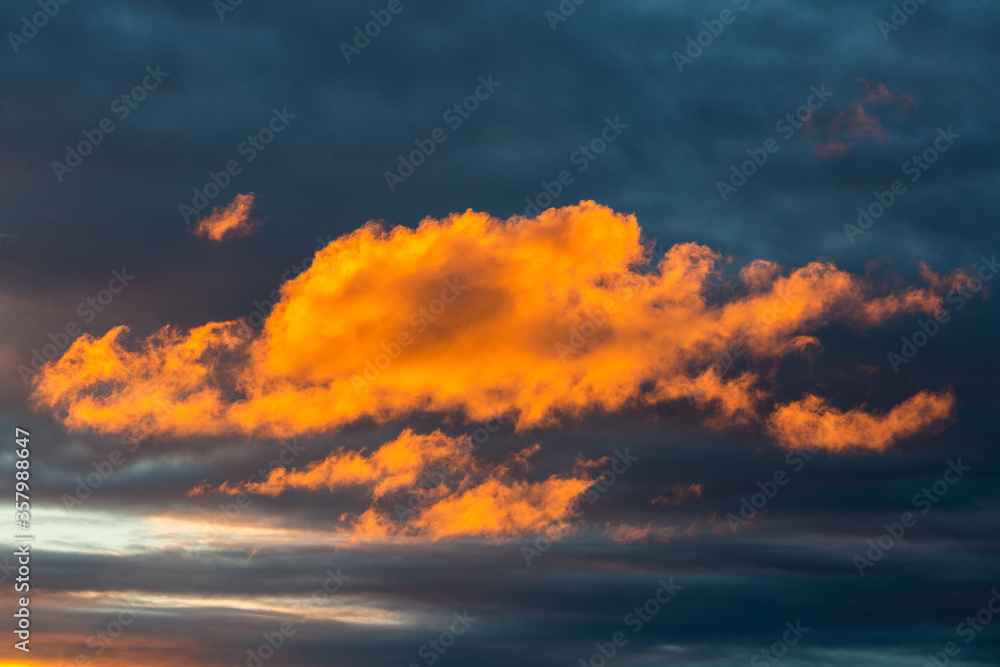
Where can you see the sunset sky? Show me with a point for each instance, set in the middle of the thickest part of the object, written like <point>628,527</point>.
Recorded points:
<point>520,333</point>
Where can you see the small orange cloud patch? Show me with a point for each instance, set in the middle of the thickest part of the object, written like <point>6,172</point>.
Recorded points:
<point>232,221</point>
<point>498,508</point>
<point>675,494</point>
<point>857,122</point>
<point>812,422</point>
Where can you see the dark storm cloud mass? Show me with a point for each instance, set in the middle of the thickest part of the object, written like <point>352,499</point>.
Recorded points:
<point>323,176</point>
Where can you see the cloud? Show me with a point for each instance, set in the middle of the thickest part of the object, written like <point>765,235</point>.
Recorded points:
<point>392,467</point>
<point>429,487</point>
<point>876,91</point>
<point>858,122</point>
<point>233,221</point>
<point>831,150</point>
<point>813,422</point>
<point>675,494</point>
<point>497,508</point>
<point>547,318</point>
<point>625,533</point>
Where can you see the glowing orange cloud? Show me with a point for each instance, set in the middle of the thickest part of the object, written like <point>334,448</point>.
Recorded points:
<point>233,221</point>
<point>812,422</point>
<point>543,318</point>
<point>501,509</point>
<point>433,478</point>
<point>392,467</point>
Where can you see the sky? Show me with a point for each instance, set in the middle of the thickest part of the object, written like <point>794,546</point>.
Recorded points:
<point>540,333</point>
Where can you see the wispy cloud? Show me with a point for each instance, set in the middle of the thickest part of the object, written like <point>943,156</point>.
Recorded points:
<point>813,422</point>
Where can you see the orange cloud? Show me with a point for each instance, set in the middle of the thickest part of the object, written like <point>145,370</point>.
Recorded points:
<point>422,500</point>
<point>545,319</point>
<point>501,509</point>
<point>233,221</point>
<point>812,422</point>
<point>392,467</point>
<point>944,284</point>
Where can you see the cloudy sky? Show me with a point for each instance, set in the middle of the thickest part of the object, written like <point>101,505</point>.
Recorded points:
<point>642,333</point>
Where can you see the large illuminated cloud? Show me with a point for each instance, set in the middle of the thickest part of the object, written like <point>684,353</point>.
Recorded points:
<point>545,319</point>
